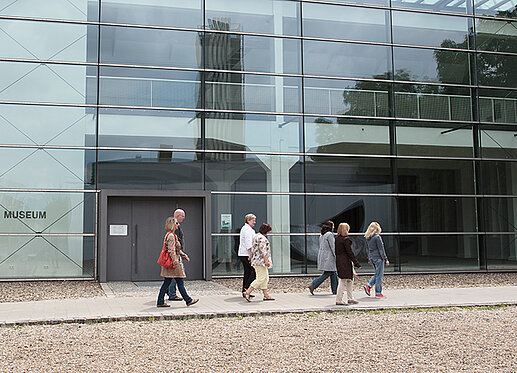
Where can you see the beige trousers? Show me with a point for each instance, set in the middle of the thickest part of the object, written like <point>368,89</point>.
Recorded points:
<point>344,282</point>
<point>262,278</point>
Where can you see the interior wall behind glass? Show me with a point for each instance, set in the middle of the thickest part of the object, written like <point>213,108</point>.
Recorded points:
<point>276,17</point>
<point>228,211</point>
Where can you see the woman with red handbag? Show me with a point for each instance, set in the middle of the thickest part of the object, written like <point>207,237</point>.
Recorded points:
<point>176,271</point>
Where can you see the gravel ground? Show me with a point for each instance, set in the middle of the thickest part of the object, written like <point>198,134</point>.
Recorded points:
<point>420,281</point>
<point>41,290</point>
<point>475,339</point>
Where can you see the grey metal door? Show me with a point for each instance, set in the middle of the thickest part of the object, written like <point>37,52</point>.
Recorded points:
<point>133,257</point>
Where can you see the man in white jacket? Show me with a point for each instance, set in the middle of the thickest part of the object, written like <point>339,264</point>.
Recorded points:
<point>246,240</point>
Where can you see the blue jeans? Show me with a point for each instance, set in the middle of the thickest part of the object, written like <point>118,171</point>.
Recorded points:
<point>333,280</point>
<point>378,265</point>
<point>181,287</point>
<point>172,288</point>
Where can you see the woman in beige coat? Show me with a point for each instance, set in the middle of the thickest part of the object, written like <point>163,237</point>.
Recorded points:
<point>177,271</point>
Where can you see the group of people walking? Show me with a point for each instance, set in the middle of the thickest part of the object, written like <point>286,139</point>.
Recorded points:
<point>335,258</point>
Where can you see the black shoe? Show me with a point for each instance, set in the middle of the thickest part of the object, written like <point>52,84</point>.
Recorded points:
<point>162,305</point>
<point>311,289</point>
<point>192,302</point>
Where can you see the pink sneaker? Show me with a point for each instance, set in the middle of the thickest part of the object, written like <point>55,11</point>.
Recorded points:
<point>380,296</point>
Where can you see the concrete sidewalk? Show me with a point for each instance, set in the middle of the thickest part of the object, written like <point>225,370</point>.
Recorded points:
<point>113,308</point>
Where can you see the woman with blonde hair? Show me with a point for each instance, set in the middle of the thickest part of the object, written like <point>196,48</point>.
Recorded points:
<point>176,272</point>
<point>344,259</point>
<point>376,257</point>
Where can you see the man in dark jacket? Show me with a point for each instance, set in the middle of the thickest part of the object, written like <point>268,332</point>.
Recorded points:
<point>179,215</point>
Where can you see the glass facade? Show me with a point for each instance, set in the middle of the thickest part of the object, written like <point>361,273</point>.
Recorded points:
<point>401,112</point>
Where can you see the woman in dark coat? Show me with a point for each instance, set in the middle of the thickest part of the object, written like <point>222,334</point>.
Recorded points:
<point>344,259</point>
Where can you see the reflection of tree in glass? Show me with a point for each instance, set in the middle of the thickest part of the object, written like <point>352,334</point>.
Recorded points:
<point>493,69</point>
<point>354,100</point>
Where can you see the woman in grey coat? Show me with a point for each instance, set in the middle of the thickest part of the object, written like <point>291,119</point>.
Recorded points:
<point>376,257</point>
<point>326,258</point>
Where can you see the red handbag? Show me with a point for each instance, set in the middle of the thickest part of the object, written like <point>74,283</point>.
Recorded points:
<point>165,259</point>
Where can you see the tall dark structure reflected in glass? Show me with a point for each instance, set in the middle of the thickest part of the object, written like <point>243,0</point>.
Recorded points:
<point>399,112</point>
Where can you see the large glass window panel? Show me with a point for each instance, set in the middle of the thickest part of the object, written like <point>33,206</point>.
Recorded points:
<point>226,262</point>
<point>283,212</point>
<point>496,36</point>
<point>49,168</point>
<point>499,143</point>
<point>500,214</point>
<point>451,252</point>
<point>358,212</point>
<point>435,141</point>
<point>346,136</point>
<point>270,94</point>
<point>426,65</point>
<point>346,60</point>
<point>360,252</point>
<point>145,169</point>
<point>429,29</point>
<point>47,213</point>
<point>150,47</point>
<point>426,176</point>
<point>497,8</point>
<point>266,16</point>
<point>48,41</point>
<point>168,13</point>
<point>459,6</point>
<point>497,70</point>
<point>431,102</point>
<point>266,133</point>
<point>77,10</point>
<point>149,129</point>
<point>252,53</point>
<point>36,82</point>
<point>497,105</point>
<point>344,22</point>
<point>362,2</point>
<point>149,88</point>
<point>46,125</point>
<point>499,177</point>
<point>348,175</point>
<point>253,172</point>
<point>437,214</point>
<point>346,97</point>
<point>501,251</point>
<point>46,257</point>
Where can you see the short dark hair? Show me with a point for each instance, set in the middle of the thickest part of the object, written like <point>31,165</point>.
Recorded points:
<point>265,228</point>
<point>326,227</point>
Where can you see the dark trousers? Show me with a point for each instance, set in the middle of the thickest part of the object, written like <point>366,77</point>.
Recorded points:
<point>181,287</point>
<point>249,273</point>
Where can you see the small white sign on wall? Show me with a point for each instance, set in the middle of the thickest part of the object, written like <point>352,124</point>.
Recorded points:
<point>226,221</point>
<point>118,230</point>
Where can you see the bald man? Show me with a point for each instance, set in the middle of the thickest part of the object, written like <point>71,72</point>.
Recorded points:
<point>179,215</point>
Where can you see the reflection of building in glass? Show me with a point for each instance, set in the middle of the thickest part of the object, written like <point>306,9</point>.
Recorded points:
<point>403,112</point>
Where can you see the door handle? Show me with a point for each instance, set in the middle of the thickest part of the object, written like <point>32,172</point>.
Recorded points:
<point>135,246</point>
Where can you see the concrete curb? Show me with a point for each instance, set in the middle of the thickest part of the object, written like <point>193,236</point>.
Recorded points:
<point>152,317</point>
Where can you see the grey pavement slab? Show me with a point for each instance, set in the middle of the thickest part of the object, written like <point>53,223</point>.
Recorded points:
<point>143,307</point>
